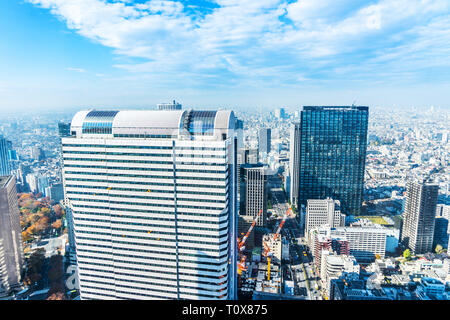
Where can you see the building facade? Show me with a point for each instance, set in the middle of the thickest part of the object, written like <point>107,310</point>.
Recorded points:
<point>333,147</point>
<point>253,191</point>
<point>5,165</point>
<point>11,251</point>
<point>294,162</point>
<point>419,216</point>
<point>170,106</point>
<point>264,140</point>
<point>323,212</point>
<point>366,243</point>
<point>153,200</point>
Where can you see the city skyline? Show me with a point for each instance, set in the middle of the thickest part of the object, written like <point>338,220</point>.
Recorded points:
<point>234,150</point>
<point>59,54</point>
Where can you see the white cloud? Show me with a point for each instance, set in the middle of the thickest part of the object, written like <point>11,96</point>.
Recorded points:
<point>248,38</point>
<point>76,69</point>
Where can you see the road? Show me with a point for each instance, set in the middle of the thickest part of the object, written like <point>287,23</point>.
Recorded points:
<point>300,266</point>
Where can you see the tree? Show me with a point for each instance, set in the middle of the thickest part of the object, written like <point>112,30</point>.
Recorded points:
<point>58,210</point>
<point>34,266</point>
<point>57,224</point>
<point>439,249</point>
<point>407,254</point>
<point>45,211</point>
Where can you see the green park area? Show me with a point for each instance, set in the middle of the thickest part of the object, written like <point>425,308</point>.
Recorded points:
<point>374,219</point>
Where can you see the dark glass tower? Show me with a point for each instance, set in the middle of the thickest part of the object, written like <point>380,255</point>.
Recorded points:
<point>5,165</point>
<point>333,142</point>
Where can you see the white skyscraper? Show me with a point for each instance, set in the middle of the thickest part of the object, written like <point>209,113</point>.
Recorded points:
<point>153,199</point>
<point>323,212</point>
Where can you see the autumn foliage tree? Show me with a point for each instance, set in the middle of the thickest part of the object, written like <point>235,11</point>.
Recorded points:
<point>59,212</point>
<point>57,224</point>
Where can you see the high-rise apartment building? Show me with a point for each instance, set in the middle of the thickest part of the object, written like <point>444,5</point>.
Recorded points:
<point>294,162</point>
<point>11,252</point>
<point>419,216</point>
<point>5,165</point>
<point>153,200</point>
<point>169,106</point>
<point>333,142</point>
<point>323,212</point>
<point>264,140</point>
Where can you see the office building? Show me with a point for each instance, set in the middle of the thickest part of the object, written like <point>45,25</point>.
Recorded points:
<point>366,243</point>
<point>5,165</point>
<point>11,252</point>
<point>37,153</point>
<point>33,183</point>
<point>441,225</point>
<point>333,265</point>
<point>333,143</point>
<point>153,200</point>
<point>55,192</point>
<point>280,113</point>
<point>419,216</point>
<point>323,212</point>
<point>253,191</point>
<point>264,141</point>
<point>169,106</point>
<point>253,156</point>
<point>294,162</point>
<point>349,287</point>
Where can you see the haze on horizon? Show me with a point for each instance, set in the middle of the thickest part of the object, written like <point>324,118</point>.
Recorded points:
<point>58,54</point>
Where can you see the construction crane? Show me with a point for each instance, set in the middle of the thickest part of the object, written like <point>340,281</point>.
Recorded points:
<point>267,253</point>
<point>241,247</point>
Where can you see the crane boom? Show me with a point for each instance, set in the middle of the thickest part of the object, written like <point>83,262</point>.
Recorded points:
<point>288,212</point>
<point>242,242</point>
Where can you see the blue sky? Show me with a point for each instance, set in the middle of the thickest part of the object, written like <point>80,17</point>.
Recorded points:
<point>226,53</point>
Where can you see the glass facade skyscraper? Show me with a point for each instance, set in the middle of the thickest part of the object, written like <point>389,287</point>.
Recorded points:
<point>5,166</point>
<point>333,142</point>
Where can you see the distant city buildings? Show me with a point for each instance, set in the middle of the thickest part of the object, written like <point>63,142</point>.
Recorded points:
<point>280,113</point>
<point>11,250</point>
<point>37,153</point>
<point>169,106</point>
<point>264,140</point>
<point>153,193</point>
<point>332,155</point>
<point>419,216</point>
